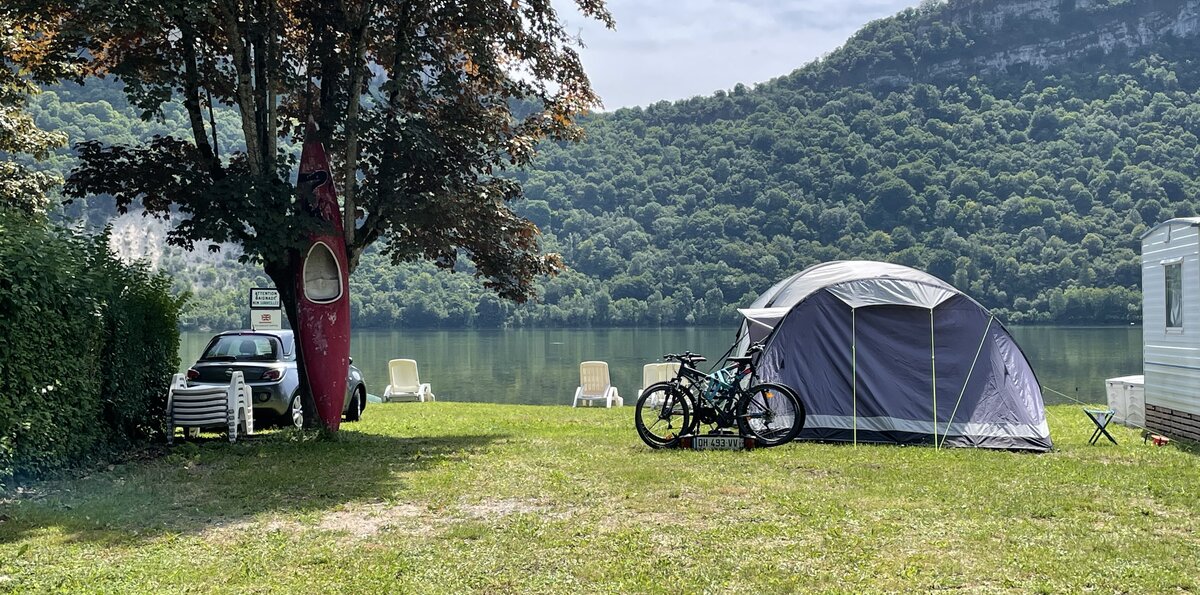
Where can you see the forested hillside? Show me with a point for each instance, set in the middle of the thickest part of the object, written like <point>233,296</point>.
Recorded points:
<point>1015,149</point>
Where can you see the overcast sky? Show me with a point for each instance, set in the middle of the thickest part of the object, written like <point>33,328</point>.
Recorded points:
<point>675,49</point>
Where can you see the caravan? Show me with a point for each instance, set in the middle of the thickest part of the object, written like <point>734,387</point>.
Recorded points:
<point>1171,327</point>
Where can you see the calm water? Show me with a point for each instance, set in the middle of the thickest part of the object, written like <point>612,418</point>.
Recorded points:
<point>541,366</point>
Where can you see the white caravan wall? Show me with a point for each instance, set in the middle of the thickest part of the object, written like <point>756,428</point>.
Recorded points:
<point>1171,358</point>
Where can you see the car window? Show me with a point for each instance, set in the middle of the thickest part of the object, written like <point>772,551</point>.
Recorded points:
<point>241,348</point>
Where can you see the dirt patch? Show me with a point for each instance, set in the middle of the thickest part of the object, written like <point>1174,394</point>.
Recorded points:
<point>621,518</point>
<point>361,520</point>
<point>492,509</point>
<point>364,520</point>
<point>355,520</point>
<point>224,531</point>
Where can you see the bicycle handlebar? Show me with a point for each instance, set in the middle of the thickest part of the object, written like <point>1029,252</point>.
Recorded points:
<point>686,357</point>
<point>693,358</point>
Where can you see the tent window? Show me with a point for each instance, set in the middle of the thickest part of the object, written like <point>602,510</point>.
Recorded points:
<point>1174,277</point>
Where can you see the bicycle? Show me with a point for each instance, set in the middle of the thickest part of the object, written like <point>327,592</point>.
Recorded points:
<point>771,413</point>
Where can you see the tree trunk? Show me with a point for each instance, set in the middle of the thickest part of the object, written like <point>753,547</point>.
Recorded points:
<point>358,72</point>
<point>273,66</point>
<point>191,99</point>
<point>284,277</point>
<point>244,93</point>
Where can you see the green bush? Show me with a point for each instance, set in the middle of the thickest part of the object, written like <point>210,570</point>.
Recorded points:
<point>87,347</point>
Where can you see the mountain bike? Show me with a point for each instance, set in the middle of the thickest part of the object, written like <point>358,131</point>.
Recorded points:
<point>770,413</point>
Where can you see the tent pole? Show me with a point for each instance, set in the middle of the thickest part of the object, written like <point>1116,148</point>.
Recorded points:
<point>969,371</point>
<point>933,365</point>
<point>854,372</point>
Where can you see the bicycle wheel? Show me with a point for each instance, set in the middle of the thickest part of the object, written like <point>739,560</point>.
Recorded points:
<point>663,414</point>
<point>771,413</point>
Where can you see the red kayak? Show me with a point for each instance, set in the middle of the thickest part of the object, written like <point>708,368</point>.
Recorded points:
<point>323,289</point>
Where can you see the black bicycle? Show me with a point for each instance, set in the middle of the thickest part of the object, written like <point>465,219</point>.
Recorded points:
<point>769,412</point>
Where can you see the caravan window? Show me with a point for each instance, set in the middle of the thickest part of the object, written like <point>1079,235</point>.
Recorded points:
<point>1174,275</point>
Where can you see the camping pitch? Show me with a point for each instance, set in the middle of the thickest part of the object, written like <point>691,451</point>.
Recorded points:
<point>886,353</point>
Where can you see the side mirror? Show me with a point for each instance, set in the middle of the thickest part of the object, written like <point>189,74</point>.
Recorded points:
<point>351,361</point>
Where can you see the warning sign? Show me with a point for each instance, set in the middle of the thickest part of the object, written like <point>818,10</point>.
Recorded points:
<point>265,312</point>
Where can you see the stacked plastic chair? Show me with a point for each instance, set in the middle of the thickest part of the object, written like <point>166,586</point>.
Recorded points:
<point>209,407</point>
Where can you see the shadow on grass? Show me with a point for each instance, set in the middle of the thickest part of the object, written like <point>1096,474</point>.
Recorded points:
<point>1187,446</point>
<point>210,483</point>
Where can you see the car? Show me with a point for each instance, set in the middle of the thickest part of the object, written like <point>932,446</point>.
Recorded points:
<point>267,361</point>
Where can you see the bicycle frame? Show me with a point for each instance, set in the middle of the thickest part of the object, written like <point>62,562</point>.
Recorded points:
<point>725,397</point>
<point>717,389</point>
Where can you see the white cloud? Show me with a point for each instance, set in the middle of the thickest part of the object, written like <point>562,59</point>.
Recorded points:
<point>675,50</point>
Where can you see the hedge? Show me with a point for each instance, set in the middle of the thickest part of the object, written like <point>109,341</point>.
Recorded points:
<point>87,347</point>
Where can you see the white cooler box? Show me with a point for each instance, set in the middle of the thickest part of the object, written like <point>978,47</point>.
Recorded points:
<point>1127,396</point>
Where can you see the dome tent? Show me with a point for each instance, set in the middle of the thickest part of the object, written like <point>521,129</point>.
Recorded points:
<point>885,353</point>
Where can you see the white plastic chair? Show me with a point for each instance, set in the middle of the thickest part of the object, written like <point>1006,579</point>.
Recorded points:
<point>209,407</point>
<point>406,385</point>
<point>655,373</point>
<point>594,385</point>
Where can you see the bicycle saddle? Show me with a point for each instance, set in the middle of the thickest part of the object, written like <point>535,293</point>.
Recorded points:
<point>742,359</point>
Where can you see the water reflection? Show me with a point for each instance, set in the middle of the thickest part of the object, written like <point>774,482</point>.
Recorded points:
<point>541,366</point>
<point>1076,360</point>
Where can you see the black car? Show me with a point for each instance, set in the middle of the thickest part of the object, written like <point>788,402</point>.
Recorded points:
<point>267,361</point>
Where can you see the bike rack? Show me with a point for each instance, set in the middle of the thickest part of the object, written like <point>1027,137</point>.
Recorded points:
<point>731,441</point>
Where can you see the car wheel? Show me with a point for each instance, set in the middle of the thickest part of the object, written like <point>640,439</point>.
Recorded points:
<point>296,412</point>
<point>354,413</point>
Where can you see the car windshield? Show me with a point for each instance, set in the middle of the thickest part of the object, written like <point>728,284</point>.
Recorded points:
<point>242,348</point>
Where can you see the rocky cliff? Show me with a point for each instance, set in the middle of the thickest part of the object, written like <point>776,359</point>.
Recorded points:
<point>941,40</point>
<point>1043,33</point>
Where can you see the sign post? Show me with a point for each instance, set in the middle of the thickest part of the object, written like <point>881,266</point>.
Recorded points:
<point>265,312</point>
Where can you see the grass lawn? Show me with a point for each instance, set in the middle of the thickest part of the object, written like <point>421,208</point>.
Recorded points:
<point>453,498</point>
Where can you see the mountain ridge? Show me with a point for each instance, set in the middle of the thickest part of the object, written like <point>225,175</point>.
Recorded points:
<point>1024,184</point>
<point>966,28</point>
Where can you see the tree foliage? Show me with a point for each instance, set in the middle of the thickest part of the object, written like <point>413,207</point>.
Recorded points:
<point>414,101</point>
<point>90,346</point>
<point>1025,187</point>
<point>413,98</point>
<point>21,186</point>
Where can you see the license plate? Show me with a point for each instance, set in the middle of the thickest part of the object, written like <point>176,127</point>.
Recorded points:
<point>718,443</point>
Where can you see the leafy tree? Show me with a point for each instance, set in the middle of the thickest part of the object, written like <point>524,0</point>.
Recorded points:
<point>21,187</point>
<point>415,101</point>
<point>1046,177</point>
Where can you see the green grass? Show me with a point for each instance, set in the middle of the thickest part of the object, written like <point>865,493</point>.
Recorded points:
<point>453,498</point>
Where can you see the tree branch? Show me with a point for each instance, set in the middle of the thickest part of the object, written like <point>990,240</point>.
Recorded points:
<point>372,229</point>
<point>262,83</point>
<point>272,59</point>
<point>191,98</point>
<point>244,88</point>
<point>358,70</point>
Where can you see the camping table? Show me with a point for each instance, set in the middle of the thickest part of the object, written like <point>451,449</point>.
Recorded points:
<point>1100,417</point>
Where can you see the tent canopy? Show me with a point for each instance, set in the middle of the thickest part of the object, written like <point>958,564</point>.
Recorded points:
<point>885,353</point>
<point>862,282</point>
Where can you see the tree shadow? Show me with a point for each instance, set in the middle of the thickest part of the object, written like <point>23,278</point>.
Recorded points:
<point>209,483</point>
<point>1186,446</point>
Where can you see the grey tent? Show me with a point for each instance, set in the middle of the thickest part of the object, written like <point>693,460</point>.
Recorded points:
<point>885,353</point>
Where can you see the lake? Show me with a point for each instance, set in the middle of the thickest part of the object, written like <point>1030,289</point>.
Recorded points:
<point>541,366</point>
